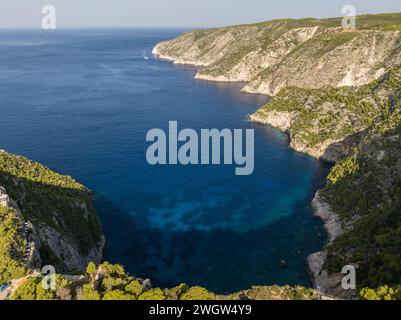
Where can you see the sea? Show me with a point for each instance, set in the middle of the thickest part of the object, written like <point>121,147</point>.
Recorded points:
<point>81,102</point>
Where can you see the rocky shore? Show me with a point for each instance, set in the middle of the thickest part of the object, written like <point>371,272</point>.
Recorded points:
<point>327,284</point>
<point>324,282</point>
<point>330,88</point>
<point>321,280</point>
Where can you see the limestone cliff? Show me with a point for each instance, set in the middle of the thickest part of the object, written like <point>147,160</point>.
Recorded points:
<point>55,215</point>
<point>325,282</point>
<point>327,123</point>
<point>308,53</point>
<point>357,127</point>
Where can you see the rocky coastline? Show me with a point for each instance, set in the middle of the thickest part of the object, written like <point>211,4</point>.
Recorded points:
<point>315,57</point>
<point>326,284</point>
<point>321,280</point>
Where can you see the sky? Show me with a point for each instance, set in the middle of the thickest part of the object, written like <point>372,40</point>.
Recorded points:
<point>176,13</point>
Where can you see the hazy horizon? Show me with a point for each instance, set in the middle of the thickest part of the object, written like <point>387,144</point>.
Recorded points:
<point>75,14</point>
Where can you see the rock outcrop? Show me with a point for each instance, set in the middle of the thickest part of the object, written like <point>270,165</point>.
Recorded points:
<point>67,249</point>
<point>333,60</point>
<point>279,120</point>
<point>327,123</point>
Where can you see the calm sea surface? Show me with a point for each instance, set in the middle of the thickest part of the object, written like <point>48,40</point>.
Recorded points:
<point>82,101</point>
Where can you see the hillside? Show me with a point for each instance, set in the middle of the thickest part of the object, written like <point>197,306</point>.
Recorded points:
<point>111,282</point>
<point>50,218</point>
<point>326,123</point>
<point>337,94</point>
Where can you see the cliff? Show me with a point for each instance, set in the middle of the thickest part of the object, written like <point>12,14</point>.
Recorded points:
<point>326,123</point>
<point>51,217</point>
<point>337,94</point>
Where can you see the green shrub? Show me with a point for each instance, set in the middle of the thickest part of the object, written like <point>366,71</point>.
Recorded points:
<point>117,295</point>
<point>197,293</point>
<point>26,291</point>
<point>153,294</point>
<point>12,246</point>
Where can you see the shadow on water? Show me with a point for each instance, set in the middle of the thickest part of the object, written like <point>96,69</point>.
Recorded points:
<point>197,257</point>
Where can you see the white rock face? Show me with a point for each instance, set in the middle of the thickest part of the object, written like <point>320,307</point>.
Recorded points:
<point>269,59</point>
<point>321,150</point>
<point>356,62</point>
<point>259,58</point>
<point>6,201</point>
<point>332,222</point>
<point>280,120</point>
<point>188,48</point>
<point>329,150</point>
<point>68,251</point>
<point>327,284</point>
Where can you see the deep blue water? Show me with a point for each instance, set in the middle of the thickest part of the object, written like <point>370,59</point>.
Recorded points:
<point>81,102</point>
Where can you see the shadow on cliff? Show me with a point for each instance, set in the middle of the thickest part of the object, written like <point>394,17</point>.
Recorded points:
<point>343,148</point>
<point>367,197</point>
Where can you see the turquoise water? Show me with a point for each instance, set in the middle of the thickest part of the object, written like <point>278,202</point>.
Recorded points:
<point>82,101</point>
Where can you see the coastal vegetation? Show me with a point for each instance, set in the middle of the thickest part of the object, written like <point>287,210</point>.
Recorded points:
<point>381,293</point>
<point>332,114</point>
<point>59,208</point>
<point>364,187</point>
<point>39,192</point>
<point>11,246</point>
<point>111,282</point>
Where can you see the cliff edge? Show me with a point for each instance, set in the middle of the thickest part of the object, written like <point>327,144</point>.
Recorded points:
<point>51,218</point>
